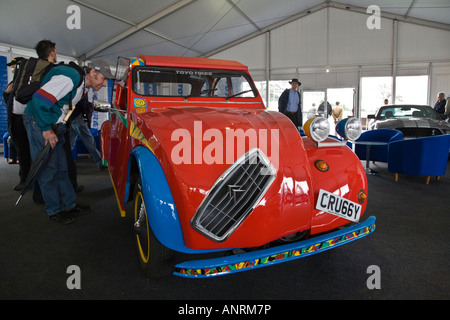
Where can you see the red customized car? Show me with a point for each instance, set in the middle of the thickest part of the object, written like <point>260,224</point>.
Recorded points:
<point>204,168</point>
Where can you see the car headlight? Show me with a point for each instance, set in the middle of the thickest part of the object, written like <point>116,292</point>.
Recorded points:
<point>349,129</point>
<point>317,128</point>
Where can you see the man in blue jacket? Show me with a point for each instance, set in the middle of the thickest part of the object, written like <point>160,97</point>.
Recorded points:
<point>48,107</point>
<point>290,103</point>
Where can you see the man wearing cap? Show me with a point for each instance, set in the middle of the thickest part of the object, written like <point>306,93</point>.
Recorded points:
<point>8,97</point>
<point>59,89</point>
<point>290,103</point>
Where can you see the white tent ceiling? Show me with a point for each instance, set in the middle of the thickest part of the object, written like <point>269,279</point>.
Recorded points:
<point>112,28</point>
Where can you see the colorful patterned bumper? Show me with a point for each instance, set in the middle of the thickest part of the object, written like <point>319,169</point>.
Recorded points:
<point>267,257</point>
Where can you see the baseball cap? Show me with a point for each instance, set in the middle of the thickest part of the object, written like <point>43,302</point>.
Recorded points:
<point>101,66</point>
<point>16,60</point>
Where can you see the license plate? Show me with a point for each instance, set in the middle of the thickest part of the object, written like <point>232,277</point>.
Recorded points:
<point>338,206</point>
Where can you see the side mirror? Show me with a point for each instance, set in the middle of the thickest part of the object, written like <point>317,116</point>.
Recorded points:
<point>370,116</point>
<point>102,106</point>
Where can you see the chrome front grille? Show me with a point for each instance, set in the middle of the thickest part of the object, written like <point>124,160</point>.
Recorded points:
<point>234,196</point>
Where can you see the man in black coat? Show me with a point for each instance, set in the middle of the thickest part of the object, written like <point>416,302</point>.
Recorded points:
<point>290,103</point>
<point>16,128</point>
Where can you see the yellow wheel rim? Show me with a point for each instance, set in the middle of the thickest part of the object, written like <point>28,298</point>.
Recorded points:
<point>141,214</point>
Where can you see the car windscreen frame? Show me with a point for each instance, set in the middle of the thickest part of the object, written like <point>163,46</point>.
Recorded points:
<point>194,80</point>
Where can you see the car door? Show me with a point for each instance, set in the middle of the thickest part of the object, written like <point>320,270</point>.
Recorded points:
<point>117,152</point>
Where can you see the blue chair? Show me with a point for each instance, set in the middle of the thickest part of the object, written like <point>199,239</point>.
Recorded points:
<point>5,146</point>
<point>9,150</point>
<point>377,153</point>
<point>426,156</point>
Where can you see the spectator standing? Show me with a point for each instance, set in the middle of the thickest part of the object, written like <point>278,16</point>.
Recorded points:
<point>16,129</point>
<point>439,106</point>
<point>79,128</point>
<point>290,103</point>
<point>337,113</point>
<point>48,107</point>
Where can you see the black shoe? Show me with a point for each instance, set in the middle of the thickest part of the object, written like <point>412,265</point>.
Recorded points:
<point>61,217</point>
<point>79,210</point>
<point>19,187</point>
<point>79,189</point>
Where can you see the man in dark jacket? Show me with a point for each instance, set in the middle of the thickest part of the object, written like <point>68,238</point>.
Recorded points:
<point>15,126</point>
<point>439,107</point>
<point>290,103</point>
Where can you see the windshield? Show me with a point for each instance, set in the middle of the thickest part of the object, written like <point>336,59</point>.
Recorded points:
<point>176,82</point>
<point>406,112</point>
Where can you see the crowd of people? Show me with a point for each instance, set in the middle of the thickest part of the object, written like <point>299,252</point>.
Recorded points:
<point>290,104</point>
<point>55,114</point>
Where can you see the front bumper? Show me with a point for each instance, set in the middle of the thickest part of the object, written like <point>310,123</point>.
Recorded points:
<point>267,257</point>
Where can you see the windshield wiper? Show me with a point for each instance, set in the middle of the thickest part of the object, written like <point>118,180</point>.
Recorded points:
<point>238,94</point>
<point>208,90</point>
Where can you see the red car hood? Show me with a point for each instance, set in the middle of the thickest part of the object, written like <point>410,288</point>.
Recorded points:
<point>205,133</point>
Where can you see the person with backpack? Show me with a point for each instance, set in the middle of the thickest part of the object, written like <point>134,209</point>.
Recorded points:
<point>61,89</point>
<point>47,53</point>
<point>32,71</point>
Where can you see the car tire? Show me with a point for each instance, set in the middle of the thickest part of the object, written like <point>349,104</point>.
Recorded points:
<point>155,259</point>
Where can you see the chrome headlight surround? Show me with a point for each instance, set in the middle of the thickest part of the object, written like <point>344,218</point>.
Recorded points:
<point>317,129</point>
<point>349,129</point>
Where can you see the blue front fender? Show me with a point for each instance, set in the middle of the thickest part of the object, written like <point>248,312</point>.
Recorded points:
<point>161,209</point>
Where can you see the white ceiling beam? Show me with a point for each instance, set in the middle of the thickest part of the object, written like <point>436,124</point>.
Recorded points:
<point>135,28</point>
<point>267,29</point>
<point>393,16</point>
<point>409,9</point>
<point>108,14</point>
<point>242,13</point>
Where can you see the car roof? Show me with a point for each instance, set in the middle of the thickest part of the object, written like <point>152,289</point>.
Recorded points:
<point>192,62</point>
<point>404,105</point>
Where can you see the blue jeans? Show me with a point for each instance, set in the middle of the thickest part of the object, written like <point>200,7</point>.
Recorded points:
<point>54,181</point>
<point>80,128</point>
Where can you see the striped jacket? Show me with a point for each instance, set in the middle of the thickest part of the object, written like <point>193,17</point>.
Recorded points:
<point>50,103</point>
